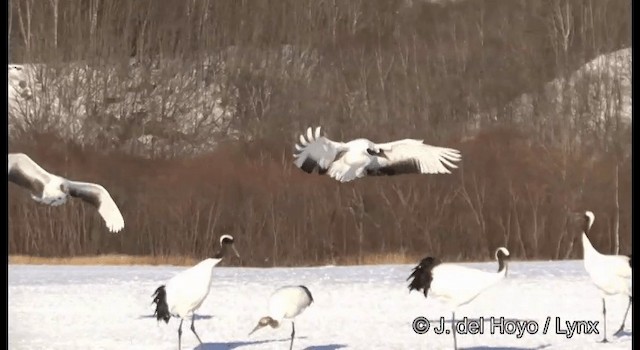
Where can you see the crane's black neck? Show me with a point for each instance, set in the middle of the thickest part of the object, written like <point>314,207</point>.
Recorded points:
<point>586,225</point>
<point>502,264</point>
<point>222,252</point>
<point>502,261</point>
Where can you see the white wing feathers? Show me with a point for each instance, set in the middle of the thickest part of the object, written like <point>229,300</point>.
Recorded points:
<point>188,289</point>
<point>413,156</point>
<point>316,151</point>
<point>23,171</point>
<point>618,264</point>
<point>447,284</point>
<point>287,302</point>
<point>99,197</point>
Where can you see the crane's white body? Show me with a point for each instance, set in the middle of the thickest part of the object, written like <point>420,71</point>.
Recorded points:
<point>187,290</point>
<point>51,189</point>
<point>611,274</point>
<point>347,161</point>
<point>288,302</point>
<point>453,284</point>
<point>458,285</point>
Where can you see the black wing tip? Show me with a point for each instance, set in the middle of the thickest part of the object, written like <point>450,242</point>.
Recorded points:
<point>20,178</point>
<point>162,308</point>
<point>92,196</point>
<point>404,167</point>
<point>309,166</point>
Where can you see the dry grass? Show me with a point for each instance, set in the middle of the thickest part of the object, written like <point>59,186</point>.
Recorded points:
<point>111,259</point>
<point>405,259</point>
<point>379,259</point>
<point>115,259</point>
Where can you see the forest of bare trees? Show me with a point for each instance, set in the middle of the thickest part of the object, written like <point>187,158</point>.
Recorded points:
<point>187,113</point>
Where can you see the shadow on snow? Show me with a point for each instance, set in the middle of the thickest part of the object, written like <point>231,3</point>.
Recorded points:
<point>505,347</point>
<point>238,344</point>
<point>326,347</point>
<point>198,317</point>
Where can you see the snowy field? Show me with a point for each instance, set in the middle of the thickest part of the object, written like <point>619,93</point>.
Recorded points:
<point>365,307</point>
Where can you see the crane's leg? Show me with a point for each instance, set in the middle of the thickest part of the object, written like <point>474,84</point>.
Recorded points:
<point>293,334</point>
<point>453,329</point>
<point>180,335</point>
<point>193,328</point>
<point>624,318</point>
<point>604,317</point>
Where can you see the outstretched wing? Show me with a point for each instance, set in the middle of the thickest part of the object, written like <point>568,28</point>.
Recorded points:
<point>98,196</point>
<point>413,157</point>
<point>316,152</point>
<point>26,173</point>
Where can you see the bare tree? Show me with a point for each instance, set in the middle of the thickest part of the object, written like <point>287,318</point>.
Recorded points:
<point>54,7</point>
<point>24,15</point>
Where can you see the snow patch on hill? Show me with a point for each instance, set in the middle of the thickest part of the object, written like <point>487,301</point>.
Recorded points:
<point>597,94</point>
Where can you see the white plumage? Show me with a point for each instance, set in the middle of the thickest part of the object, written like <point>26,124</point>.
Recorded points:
<point>286,303</point>
<point>185,292</point>
<point>361,157</point>
<point>454,284</point>
<point>610,273</point>
<point>54,190</point>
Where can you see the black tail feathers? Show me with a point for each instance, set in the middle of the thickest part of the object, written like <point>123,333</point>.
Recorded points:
<point>422,275</point>
<point>162,309</point>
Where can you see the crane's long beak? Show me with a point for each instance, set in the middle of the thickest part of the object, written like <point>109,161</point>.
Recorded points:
<point>255,329</point>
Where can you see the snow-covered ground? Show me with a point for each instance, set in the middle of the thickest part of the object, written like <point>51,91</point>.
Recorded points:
<point>364,307</point>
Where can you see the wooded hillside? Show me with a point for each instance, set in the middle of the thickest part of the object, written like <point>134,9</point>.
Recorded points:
<point>187,113</point>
